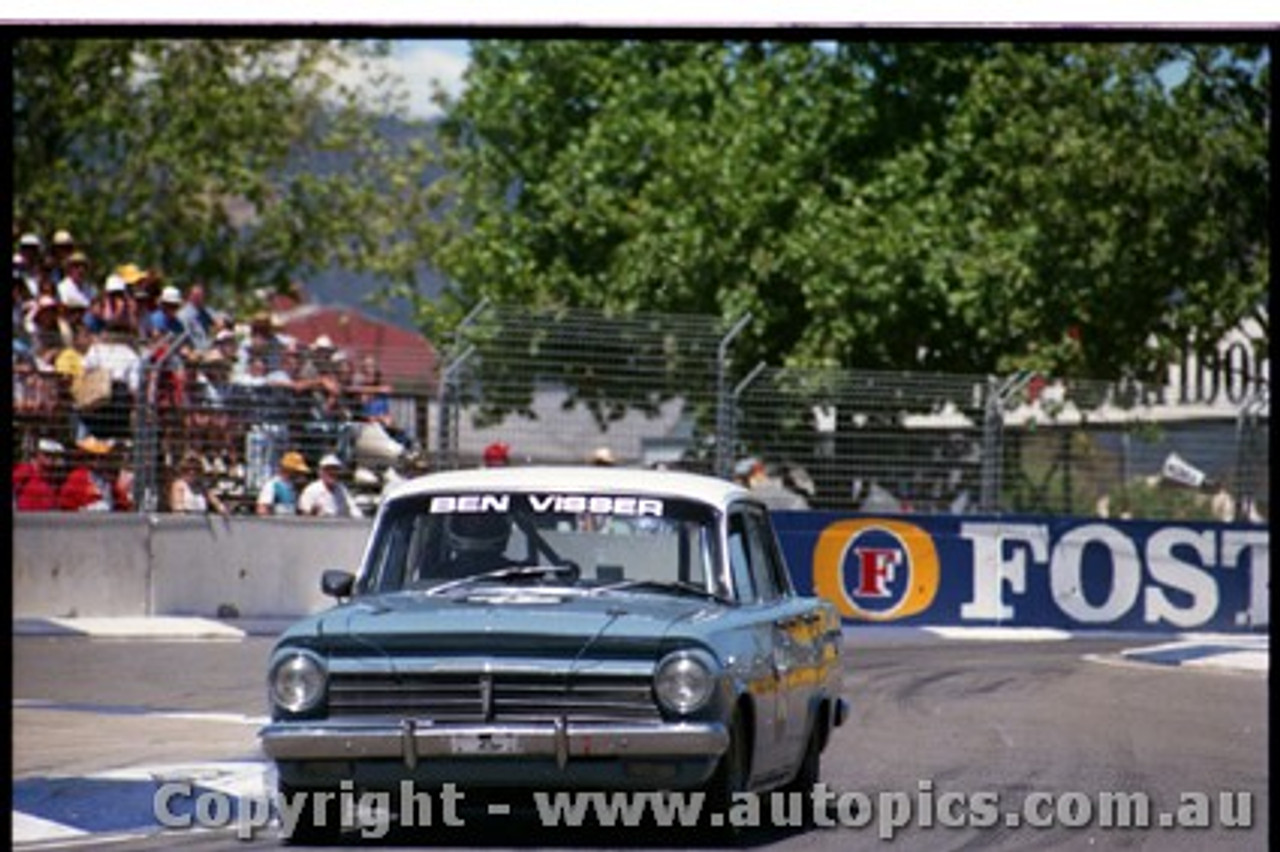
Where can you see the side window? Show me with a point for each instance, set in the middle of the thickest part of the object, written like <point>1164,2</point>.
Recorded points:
<point>740,558</point>
<point>768,568</point>
<point>777,563</point>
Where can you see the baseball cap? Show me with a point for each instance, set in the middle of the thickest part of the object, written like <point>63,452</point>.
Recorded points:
<point>50,446</point>
<point>115,284</point>
<point>331,460</point>
<point>170,296</point>
<point>29,240</point>
<point>63,238</point>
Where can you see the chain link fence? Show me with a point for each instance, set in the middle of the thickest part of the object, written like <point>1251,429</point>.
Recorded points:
<point>657,391</point>
<point>574,386</point>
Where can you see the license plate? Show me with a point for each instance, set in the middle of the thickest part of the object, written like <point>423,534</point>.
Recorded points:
<point>485,744</point>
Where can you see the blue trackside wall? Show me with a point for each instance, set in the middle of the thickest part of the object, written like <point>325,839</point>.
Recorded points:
<point>1032,571</point>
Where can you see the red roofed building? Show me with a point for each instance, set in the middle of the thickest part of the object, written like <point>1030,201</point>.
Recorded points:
<point>407,359</point>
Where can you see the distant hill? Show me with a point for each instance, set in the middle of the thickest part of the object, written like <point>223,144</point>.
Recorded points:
<point>341,287</point>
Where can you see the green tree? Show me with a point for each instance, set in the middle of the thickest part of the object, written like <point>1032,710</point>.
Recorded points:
<point>963,207</point>
<point>241,163</point>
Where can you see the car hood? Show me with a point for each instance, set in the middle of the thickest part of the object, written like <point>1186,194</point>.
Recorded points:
<point>504,621</point>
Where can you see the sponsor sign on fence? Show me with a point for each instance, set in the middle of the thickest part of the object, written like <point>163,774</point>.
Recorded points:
<point>1032,571</point>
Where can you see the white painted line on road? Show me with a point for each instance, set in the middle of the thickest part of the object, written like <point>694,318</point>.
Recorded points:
<point>234,718</point>
<point>1254,661</point>
<point>1004,634</point>
<point>116,710</point>
<point>150,627</point>
<point>33,829</point>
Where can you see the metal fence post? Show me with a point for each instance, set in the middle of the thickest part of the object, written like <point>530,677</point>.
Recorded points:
<point>738,390</point>
<point>146,450</point>
<point>1246,422</point>
<point>998,393</point>
<point>724,438</point>
<point>446,435</point>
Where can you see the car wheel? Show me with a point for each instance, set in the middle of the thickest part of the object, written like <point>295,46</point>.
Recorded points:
<point>308,828</point>
<point>810,771</point>
<point>729,780</point>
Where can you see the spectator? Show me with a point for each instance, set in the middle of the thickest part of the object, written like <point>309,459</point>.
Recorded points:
<point>42,323</point>
<point>263,342</point>
<point>118,310</point>
<point>208,395</point>
<point>74,283</point>
<point>35,387</point>
<point>63,245</point>
<point>29,247</point>
<point>21,299</point>
<point>71,315</point>
<point>70,361</point>
<point>196,318</point>
<point>376,400</point>
<point>327,497</point>
<point>95,485</point>
<point>188,493</point>
<point>144,290</point>
<point>35,482</point>
<point>111,352</point>
<point>279,494</point>
<point>497,454</point>
<point>164,319</point>
<point>752,474</point>
<point>224,341</point>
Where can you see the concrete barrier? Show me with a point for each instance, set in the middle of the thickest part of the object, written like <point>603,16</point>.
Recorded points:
<point>82,565</point>
<point>88,565</point>
<point>258,567</point>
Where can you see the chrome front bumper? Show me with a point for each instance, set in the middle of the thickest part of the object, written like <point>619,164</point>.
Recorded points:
<point>412,741</point>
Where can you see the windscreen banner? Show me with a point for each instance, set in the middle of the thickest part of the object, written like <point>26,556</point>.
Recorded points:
<point>1031,571</point>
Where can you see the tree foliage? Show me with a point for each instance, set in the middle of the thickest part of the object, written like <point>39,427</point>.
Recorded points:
<point>241,163</point>
<point>1078,208</point>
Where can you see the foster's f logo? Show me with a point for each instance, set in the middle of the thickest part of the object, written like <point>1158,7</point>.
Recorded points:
<point>874,569</point>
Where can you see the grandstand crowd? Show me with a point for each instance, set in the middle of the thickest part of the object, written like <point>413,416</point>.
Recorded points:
<point>108,358</point>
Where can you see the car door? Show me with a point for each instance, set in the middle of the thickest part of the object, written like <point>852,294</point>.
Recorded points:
<point>795,620</point>
<point>758,611</point>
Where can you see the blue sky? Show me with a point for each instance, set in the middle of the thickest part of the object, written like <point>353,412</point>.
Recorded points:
<point>420,62</point>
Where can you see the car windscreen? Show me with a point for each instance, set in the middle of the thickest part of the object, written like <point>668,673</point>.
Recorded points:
<point>587,540</point>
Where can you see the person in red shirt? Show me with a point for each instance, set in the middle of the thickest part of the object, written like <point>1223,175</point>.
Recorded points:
<point>91,486</point>
<point>33,482</point>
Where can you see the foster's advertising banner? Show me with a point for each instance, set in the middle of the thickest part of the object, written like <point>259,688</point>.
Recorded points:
<point>1031,571</point>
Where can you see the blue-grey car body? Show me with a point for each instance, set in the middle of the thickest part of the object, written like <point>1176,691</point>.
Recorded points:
<point>550,682</point>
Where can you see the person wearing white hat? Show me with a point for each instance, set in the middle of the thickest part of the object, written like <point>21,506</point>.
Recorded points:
<point>34,488</point>
<point>164,319</point>
<point>327,497</point>
<point>74,278</point>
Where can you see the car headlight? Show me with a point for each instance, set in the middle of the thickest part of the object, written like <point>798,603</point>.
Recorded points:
<point>297,681</point>
<point>684,681</point>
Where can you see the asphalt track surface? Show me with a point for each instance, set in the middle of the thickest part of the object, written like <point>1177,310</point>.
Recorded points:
<point>930,717</point>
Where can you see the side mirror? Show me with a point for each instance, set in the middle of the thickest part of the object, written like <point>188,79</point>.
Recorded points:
<point>337,584</point>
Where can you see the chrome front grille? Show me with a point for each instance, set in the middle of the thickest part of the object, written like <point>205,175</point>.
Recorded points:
<point>493,696</point>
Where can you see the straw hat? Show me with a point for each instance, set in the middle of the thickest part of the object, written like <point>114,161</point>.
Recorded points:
<point>293,462</point>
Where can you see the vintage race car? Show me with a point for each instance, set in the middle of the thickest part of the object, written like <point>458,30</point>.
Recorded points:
<point>560,628</point>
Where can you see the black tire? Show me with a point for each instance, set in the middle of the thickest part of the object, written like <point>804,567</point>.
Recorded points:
<point>307,830</point>
<point>810,771</point>
<point>728,780</point>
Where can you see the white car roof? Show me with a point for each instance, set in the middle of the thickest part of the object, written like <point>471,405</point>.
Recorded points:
<point>576,480</point>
